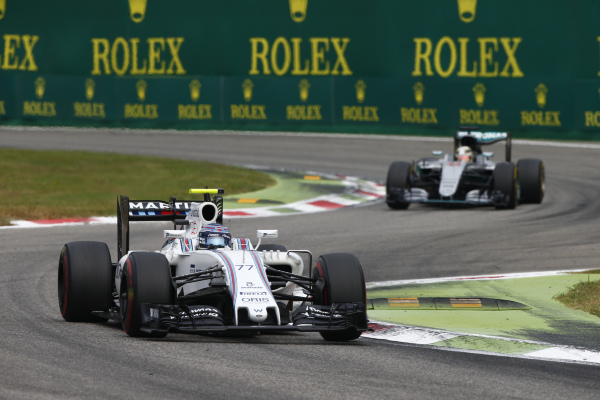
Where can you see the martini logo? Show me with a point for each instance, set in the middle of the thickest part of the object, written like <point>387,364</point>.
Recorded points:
<point>298,10</point>
<point>540,95</point>
<point>195,87</point>
<point>479,92</point>
<point>140,87</point>
<point>137,10</point>
<point>247,87</point>
<point>466,10</point>
<point>304,86</point>
<point>89,89</point>
<point>538,117</point>
<point>361,88</point>
<point>419,91</point>
<point>40,87</point>
<point>2,8</point>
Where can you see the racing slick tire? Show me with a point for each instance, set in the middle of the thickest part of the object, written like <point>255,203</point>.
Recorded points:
<point>531,180</point>
<point>505,181</point>
<point>146,279</point>
<point>344,282</point>
<point>398,179</point>
<point>84,281</point>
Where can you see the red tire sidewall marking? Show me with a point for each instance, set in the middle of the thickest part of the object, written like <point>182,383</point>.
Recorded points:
<point>129,297</point>
<point>320,269</point>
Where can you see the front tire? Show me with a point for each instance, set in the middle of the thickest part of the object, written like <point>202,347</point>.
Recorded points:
<point>146,279</point>
<point>84,280</point>
<point>531,180</point>
<point>505,181</point>
<point>343,282</point>
<point>398,180</point>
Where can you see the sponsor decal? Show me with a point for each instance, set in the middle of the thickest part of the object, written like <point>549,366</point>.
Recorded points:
<point>298,10</point>
<point>254,293</point>
<point>255,300</point>
<point>466,10</point>
<point>540,117</point>
<point>137,10</point>
<point>134,56</point>
<point>38,108</point>
<point>418,115</point>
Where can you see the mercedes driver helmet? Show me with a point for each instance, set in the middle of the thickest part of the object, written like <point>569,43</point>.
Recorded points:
<point>214,236</point>
<point>464,154</point>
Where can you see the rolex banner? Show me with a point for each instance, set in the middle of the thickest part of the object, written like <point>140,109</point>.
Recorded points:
<point>417,66</point>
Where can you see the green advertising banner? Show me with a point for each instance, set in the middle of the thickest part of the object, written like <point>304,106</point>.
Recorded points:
<point>370,66</point>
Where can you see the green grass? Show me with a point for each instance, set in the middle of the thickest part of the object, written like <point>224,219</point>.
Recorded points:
<point>584,296</point>
<point>59,184</point>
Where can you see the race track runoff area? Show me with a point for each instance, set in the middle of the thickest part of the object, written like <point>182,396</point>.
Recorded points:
<point>460,313</point>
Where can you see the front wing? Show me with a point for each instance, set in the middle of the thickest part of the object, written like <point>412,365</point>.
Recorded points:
<point>473,198</point>
<point>161,318</point>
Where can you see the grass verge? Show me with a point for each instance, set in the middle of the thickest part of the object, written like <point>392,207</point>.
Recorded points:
<point>60,184</point>
<point>584,296</point>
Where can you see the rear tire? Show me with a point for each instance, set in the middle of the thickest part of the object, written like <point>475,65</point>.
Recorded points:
<point>84,281</point>
<point>531,180</point>
<point>398,179</point>
<point>146,279</point>
<point>344,282</point>
<point>505,181</point>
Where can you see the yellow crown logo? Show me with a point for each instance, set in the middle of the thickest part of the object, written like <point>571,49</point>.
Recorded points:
<point>466,10</point>
<point>40,87</point>
<point>360,87</point>
<point>141,86</point>
<point>89,88</point>
<point>304,86</point>
<point>479,91</point>
<point>298,10</point>
<point>137,10</point>
<point>2,8</point>
<point>247,88</point>
<point>195,86</point>
<point>540,95</point>
<point>419,91</point>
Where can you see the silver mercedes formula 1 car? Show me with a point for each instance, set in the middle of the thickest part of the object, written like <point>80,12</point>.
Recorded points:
<point>468,177</point>
<point>203,280</point>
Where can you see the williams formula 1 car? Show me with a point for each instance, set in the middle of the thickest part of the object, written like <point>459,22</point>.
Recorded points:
<point>467,177</point>
<point>203,280</point>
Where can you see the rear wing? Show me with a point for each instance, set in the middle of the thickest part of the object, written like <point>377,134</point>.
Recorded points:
<point>157,210</point>
<point>474,138</point>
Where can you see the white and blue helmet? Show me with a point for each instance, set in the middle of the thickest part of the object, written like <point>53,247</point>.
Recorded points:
<point>214,236</point>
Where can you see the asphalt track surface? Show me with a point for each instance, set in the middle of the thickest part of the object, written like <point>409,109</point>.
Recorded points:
<point>43,357</point>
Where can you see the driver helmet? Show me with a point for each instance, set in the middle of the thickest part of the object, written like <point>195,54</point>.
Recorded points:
<point>464,154</point>
<point>214,236</point>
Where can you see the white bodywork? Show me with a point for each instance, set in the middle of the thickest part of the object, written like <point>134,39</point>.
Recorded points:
<point>242,265</point>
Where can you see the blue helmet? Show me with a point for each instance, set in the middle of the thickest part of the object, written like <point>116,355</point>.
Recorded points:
<point>214,236</point>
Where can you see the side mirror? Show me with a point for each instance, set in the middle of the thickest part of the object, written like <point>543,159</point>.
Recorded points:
<point>267,233</point>
<point>488,154</point>
<point>436,152</point>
